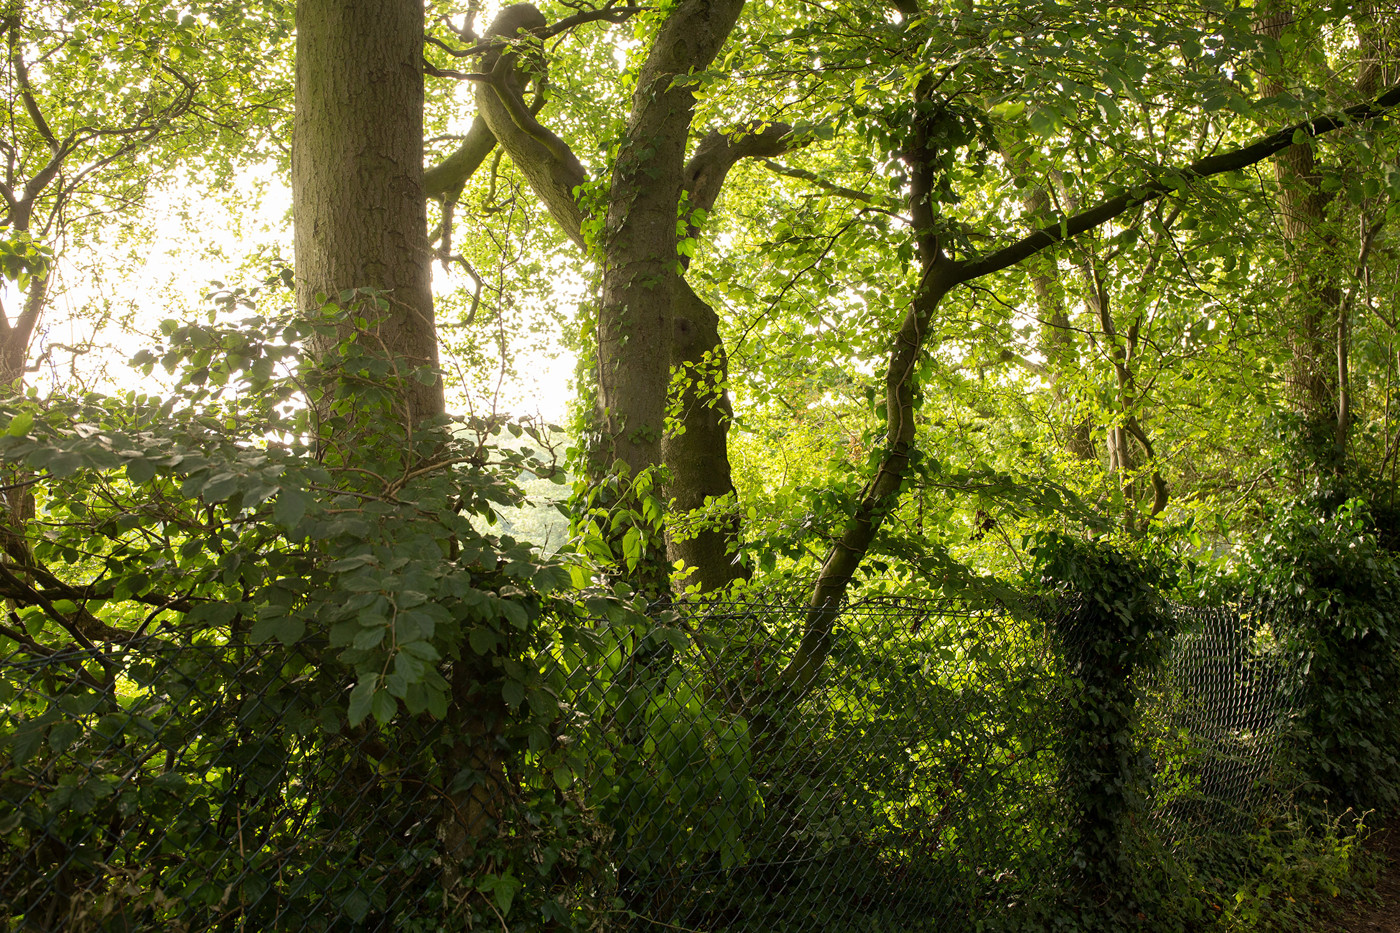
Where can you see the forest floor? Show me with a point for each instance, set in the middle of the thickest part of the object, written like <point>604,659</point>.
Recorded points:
<point>1381,913</point>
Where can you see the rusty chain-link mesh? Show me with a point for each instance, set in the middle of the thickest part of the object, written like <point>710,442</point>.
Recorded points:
<point>913,786</point>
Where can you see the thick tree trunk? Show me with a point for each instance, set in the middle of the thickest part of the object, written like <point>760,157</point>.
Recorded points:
<point>357,174</point>
<point>696,451</point>
<point>17,498</point>
<point>651,322</point>
<point>361,222</point>
<point>640,263</point>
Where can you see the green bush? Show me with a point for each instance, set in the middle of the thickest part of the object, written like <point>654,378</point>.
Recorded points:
<point>1333,589</point>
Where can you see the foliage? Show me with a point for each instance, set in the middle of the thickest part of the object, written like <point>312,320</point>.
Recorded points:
<point>275,508</point>
<point>1305,873</point>
<point>1334,586</point>
<point>363,608</point>
<point>1111,632</point>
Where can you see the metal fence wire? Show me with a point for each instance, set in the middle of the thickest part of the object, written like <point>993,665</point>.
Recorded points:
<point>912,786</point>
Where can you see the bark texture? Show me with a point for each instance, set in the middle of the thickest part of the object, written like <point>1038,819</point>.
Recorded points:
<point>361,221</point>
<point>641,271</point>
<point>357,173</point>
<point>546,161</point>
<point>695,449</point>
<point>1315,297</point>
<point>643,344</point>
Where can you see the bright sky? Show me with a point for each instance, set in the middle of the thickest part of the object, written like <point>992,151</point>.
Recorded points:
<point>117,296</point>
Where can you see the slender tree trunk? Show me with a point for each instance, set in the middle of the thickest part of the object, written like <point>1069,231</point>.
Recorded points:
<point>1057,343</point>
<point>1315,299</point>
<point>937,275</point>
<point>1128,444</point>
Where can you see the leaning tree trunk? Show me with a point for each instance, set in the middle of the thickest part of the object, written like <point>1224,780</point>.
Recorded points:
<point>939,274</point>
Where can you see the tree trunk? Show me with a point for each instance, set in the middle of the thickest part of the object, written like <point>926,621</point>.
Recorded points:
<point>651,321</point>
<point>1314,297</point>
<point>357,175</point>
<point>641,268</point>
<point>17,499</point>
<point>1057,343</point>
<point>640,262</point>
<point>696,451</point>
<point>938,275</point>
<point>361,222</point>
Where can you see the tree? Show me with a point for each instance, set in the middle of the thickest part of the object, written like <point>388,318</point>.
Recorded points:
<point>645,302</point>
<point>107,100</point>
<point>930,232</point>
<point>360,214</point>
<point>985,68</point>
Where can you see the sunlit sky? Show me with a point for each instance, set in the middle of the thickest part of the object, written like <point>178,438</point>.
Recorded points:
<point>115,296</point>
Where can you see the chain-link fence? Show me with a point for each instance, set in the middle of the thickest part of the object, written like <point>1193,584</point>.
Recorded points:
<point>915,785</point>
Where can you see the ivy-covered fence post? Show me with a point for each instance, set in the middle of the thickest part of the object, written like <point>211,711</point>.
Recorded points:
<point>1329,580</point>
<point>1109,627</point>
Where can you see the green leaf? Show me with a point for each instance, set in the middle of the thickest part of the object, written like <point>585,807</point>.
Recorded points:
<point>483,640</point>
<point>220,487</point>
<point>355,905</point>
<point>288,629</point>
<point>502,889</point>
<point>1008,110</point>
<point>140,471</point>
<point>632,547</point>
<point>64,734</point>
<point>384,706</point>
<point>360,699</point>
<point>513,691</point>
<point>290,506</point>
<point>20,424</point>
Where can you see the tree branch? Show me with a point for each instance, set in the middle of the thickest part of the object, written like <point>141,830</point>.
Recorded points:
<point>1231,161</point>
<point>718,152</point>
<point>822,183</point>
<point>546,161</point>
<point>495,42</point>
<point>446,180</point>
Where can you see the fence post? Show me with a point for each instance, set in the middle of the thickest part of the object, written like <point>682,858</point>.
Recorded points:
<point>1109,627</point>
